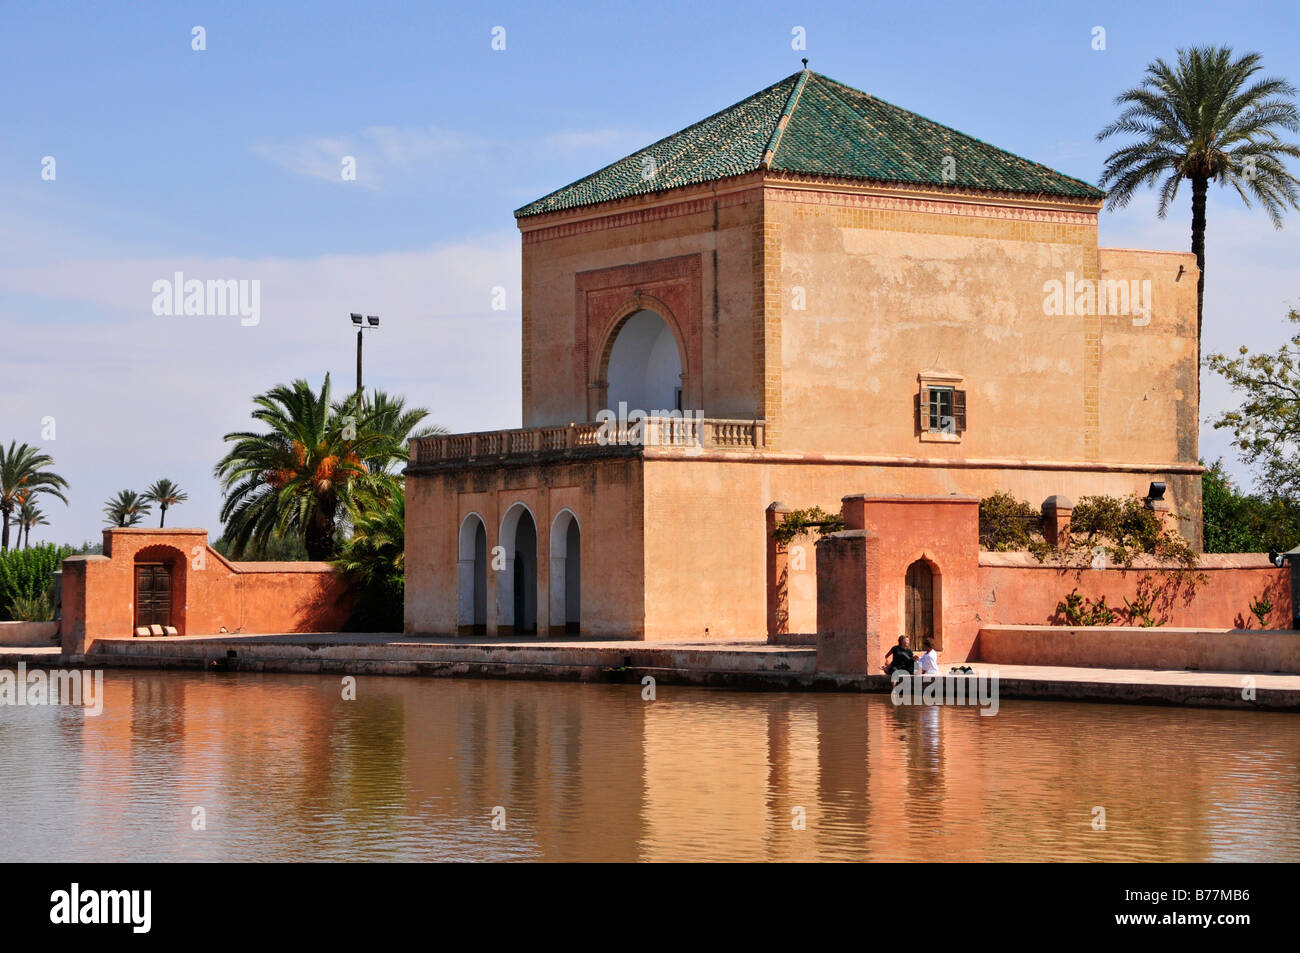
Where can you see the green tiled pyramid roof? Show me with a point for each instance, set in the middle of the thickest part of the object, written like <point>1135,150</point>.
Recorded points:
<point>810,124</point>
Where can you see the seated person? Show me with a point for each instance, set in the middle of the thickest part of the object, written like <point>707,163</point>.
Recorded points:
<point>899,658</point>
<point>928,663</point>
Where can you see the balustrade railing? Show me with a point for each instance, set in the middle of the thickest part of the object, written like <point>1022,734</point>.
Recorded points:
<point>674,432</point>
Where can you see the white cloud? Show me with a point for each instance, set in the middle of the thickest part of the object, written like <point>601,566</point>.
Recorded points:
<point>379,151</point>
<point>383,153</point>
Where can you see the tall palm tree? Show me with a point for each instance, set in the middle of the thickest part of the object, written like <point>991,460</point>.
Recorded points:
<point>128,508</point>
<point>386,414</point>
<point>22,476</point>
<point>1205,119</point>
<point>29,515</point>
<point>314,462</point>
<point>165,493</point>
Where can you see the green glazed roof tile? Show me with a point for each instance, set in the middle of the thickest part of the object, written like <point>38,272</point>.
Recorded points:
<point>830,130</point>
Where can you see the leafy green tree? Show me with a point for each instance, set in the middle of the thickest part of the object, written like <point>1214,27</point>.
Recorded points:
<point>166,494</point>
<point>23,474</point>
<point>1266,425</point>
<point>315,462</point>
<point>128,508</point>
<point>1205,119</point>
<point>1237,522</point>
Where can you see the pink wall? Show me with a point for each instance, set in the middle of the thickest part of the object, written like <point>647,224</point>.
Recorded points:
<point>861,588</point>
<point>942,531</point>
<point>1121,647</point>
<point>208,591</point>
<point>1016,589</point>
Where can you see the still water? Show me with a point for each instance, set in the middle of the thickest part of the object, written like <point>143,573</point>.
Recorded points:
<point>283,768</point>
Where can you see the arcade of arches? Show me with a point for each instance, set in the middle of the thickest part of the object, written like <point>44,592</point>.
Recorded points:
<point>514,558</point>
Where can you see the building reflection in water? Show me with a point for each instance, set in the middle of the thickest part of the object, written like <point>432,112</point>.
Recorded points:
<point>284,768</point>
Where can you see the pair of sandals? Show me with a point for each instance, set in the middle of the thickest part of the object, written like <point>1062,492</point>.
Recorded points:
<point>961,669</point>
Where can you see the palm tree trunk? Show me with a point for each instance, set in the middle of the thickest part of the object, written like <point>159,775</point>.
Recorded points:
<point>162,517</point>
<point>4,538</point>
<point>1200,184</point>
<point>319,536</point>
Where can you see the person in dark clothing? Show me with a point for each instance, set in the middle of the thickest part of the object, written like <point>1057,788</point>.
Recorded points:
<point>899,658</point>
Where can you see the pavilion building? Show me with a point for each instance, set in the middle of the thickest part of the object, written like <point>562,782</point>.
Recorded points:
<point>808,295</point>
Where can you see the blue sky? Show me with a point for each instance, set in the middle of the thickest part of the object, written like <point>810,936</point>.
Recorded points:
<point>225,162</point>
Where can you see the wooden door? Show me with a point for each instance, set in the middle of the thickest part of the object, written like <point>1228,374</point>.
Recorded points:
<point>920,604</point>
<point>153,594</point>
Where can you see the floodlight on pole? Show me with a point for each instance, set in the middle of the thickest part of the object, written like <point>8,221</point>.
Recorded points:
<point>371,322</point>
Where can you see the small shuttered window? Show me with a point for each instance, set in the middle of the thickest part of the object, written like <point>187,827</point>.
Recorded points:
<point>940,410</point>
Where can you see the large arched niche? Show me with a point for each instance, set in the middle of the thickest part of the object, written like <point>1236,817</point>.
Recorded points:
<point>471,577</point>
<point>517,584</point>
<point>643,364</point>
<point>566,574</point>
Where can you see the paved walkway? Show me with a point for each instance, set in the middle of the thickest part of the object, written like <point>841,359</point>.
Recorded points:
<point>1138,676</point>
<point>735,663</point>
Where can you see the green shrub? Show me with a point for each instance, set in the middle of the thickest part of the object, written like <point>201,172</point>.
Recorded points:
<point>1114,531</point>
<point>36,608</point>
<point>1078,610</point>
<point>1008,524</point>
<point>798,522</point>
<point>1260,608</point>
<point>374,559</point>
<point>26,574</point>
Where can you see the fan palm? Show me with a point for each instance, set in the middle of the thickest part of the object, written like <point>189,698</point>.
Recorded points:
<point>128,508</point>
<point>1205,119</point>
<point>22,476</point>
<point>378,545</point>
<point>375,558</point>
<point>29,515</point>
<point>315,462</point>
<point>165,493</point>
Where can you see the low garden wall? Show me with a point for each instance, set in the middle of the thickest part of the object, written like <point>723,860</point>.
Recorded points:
<point>209,594</point>
<point>1018,589</point>
<point>913,564</point>
<point>28,634</point>
<point>1257,651</point>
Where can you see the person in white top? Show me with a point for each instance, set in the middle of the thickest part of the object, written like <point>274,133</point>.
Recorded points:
<point>928,661</point>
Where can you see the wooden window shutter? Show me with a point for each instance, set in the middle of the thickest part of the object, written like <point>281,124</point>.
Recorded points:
<point>959,409</point>
<point>923,410</point>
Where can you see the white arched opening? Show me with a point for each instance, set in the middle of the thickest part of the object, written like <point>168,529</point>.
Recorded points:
<point>471,577</point>
<point>517,584</point>
<point>566,575</point>
<point>645,366</point>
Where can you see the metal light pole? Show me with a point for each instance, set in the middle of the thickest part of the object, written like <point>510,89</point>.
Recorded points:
<point>371,324</point>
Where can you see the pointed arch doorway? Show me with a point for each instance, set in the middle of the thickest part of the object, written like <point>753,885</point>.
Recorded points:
<point>517,585</point>
<point>471,609</point>
<point>566,575</point>
<point>919,604</point>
